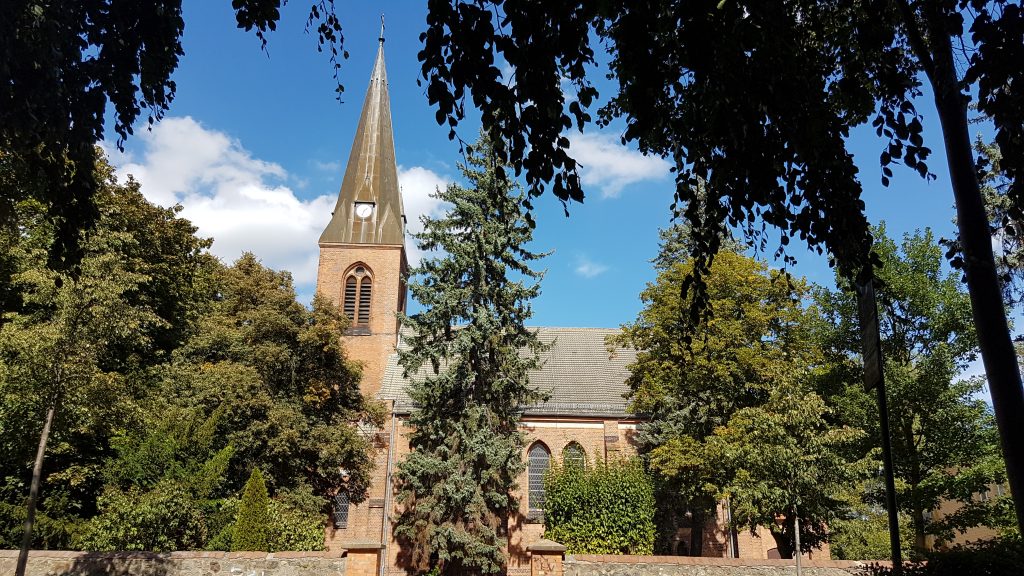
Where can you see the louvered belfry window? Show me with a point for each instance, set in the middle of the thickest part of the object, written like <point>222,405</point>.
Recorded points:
<point>539,460</point>
<point>365,287</point>
<point>358,296</point>
<point>351,288</point>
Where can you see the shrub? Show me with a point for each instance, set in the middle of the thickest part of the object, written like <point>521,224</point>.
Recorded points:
<point>220,521</point>
<point>604,509</point>
<point>296,522</point>
<point>1002,557</point>
<point>163,519</point>
<point>252,525</point>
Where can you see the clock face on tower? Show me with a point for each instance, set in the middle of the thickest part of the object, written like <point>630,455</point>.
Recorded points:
<point>364,209</point>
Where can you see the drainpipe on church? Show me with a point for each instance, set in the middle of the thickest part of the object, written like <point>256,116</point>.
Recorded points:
<point>730,531</point>
<point>385,537</point>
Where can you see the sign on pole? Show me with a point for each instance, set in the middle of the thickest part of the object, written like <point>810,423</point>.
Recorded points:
<point>870,341</point>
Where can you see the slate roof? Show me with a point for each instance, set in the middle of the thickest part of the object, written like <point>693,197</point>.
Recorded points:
<point>371,175</point>
<point>579,373</point>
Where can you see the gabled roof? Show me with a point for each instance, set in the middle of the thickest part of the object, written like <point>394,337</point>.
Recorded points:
<point>581,375</point>
<point>371,175</point>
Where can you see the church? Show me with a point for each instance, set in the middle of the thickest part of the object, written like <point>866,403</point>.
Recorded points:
<point>362,268</point>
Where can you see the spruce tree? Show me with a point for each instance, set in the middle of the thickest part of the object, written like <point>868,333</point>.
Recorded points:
<point>252,525</point>
<point>470,355</point>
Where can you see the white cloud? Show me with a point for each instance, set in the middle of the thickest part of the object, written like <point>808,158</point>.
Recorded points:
<point>418,184</point>
<point>248,204</point>
<point>609,166</point>
<point>240,201</point>
<point>587,268</point>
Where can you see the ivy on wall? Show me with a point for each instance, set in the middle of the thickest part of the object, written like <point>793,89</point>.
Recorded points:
<point>603,509</point>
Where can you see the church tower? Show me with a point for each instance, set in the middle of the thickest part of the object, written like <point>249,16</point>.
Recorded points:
<point>362,250</point>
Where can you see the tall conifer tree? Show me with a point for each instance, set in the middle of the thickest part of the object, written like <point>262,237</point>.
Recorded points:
<point>470,355</point>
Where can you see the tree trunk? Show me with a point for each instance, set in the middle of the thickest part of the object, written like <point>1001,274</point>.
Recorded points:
<point>797,552</point>
<point>697,520</point>
<point>33,493</point>
<point>783,536</point>
<point>915,479</point>
<point>997,351</point>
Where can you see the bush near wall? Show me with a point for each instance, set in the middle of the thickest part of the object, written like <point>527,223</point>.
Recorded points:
<point>1002,557</point>
<point>603,509</point>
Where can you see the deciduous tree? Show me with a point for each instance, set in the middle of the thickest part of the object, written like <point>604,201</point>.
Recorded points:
<point>759,338</point>
<point>943,435</point>
<point>786,466</point>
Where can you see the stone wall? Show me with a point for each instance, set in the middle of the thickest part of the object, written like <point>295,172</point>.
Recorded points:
<point>60,563</point>
<point>592,565</point>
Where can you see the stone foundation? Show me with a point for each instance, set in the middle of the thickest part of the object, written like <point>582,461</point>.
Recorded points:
<point>546,559</point>
<point>60,563</point>
<point>588,565</point>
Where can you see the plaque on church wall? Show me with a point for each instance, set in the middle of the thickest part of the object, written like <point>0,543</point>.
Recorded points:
<point>611,438</point>
<point>376,502</point>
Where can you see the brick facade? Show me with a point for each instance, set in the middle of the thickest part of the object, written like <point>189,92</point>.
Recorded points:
<point>387,268</point>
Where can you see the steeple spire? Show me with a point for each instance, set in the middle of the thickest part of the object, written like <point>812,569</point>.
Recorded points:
<point>369,208</point>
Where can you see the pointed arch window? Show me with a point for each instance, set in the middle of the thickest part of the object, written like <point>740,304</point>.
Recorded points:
<point>574,455</point>
<point>341,509</point>
<point>539,461</point>
<point>358,296</point>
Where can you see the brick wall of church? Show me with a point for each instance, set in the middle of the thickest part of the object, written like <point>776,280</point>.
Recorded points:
<point>387,267</point>
<point>600,439</point>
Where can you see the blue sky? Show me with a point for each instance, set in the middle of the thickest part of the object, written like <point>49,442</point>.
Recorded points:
<point>255,144</point>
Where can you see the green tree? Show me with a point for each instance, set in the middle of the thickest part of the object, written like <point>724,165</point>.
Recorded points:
<point>943,435</point>
<point>288,396</point>
<point>252,525</point>
<point>456,486</point>
<point>53,354</point>
<point>759,337</point>
<point>163,519</point>
<point>786,465</point>
<point>863,533</point>
<point>757,99</point>
<point>169,376</point>
<point>75,348</point>
<point>601,509</point>
<point>1003,219</point>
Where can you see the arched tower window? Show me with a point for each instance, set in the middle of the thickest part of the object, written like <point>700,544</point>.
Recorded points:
<point>539,460</point>
<point>358,295</point>
<point>574,455</point>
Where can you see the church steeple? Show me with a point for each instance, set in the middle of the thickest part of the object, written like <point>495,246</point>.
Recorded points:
<point>369,208</point>
<point>363,262</point>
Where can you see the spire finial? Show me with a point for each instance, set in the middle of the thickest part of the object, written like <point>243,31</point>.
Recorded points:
<point>381,28</point>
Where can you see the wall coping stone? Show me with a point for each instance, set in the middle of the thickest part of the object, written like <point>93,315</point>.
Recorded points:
<point>707,561</point>
<point>358,546</point>
<point>545,545</point>
<point>183,555</point>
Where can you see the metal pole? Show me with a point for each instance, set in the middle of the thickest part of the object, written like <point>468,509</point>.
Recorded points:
<point>874,377</point>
